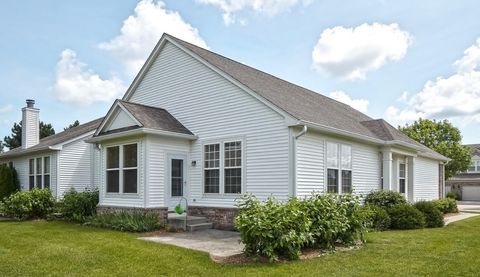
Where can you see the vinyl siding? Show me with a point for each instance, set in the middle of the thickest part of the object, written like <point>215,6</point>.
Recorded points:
<point>75,167</point>
<point>30,119</point>
<point>311,161</point>
<point>426,179</point>
<point>213,108</point>
<point>120,120</point>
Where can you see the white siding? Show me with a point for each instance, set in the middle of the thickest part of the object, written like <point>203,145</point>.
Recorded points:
<point>120,120</point>
<point>214,108</point>
<point>21,166</point>
<point>30,127</point>
<point>75,167</point>
<point>426,179</point>
<point>311,171</point>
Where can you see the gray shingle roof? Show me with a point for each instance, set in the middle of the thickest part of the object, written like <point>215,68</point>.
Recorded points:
<point>56,139</point>
<point>304,104</point>
<point>152,118</point>
<point>474,149</point>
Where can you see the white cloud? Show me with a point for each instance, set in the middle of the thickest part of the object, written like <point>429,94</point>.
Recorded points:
<point>76,84</point>
<point>350,53</point>
<point>267,7</point>
<point>358,104</point>
<point>141,31</point>
<point>403,97</point>
<point>456,97</point>
<point>6,109</point>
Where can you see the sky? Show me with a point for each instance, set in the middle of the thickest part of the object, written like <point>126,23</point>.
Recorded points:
<point>397,60</point>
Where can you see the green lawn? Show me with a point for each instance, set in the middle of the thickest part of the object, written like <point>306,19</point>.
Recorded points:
<point>39,248</point>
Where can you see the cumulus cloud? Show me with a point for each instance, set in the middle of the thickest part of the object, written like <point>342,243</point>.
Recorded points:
<point>6,109</point>
<point>267,7</point>
<point>75,83</point>
<point>454,97</point>
<point>349,53</point>
<point>358,104</point>
<point>141,31</point>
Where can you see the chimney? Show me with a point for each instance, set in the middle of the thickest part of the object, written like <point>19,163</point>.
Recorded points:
<point>30,125</point>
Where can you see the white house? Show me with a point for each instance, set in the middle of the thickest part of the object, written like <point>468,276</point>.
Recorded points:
<point>60,162</point>
<point>197,126</point>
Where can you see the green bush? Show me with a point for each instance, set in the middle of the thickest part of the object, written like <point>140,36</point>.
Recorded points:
<point>405,216</point>
<point>446,205</point>
<point>8,181</point>
<point>433,216</point>
<point>273,229</point>
<point>385,198</point>
<point>454,194</point>
<point>136,221</point>
<point>77,206</point>
<point>37,203</point>
<point>378,218</point>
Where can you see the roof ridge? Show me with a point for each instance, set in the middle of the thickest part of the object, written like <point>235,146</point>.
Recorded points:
<point>69,130</point>
<point>138,104</point>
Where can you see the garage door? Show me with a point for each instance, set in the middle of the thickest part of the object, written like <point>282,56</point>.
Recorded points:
<point>471,193</point>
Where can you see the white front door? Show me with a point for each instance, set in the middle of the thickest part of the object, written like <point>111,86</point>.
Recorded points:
<point>177,180</point>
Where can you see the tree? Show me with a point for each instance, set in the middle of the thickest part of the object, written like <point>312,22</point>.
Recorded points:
<point>15,140</point>
<point>444,138</point>
<point>1,146</point>
<point>8,181</point>
<point>74,124</point>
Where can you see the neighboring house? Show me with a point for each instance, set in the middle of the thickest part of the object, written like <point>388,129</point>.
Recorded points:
<point>195,125</point>
<point>60,162</point>
<point>468,183</point>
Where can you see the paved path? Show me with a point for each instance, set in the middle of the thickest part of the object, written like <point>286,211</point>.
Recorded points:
<point>461,216</point>
<point>220,244</point>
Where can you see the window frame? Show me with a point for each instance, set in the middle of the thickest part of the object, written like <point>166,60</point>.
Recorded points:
<point>404,177</point>
<point>476,166</point>
<point>35,174</point>
<point>339,168</point>
<point>121,169</point>
<point>222,167</point>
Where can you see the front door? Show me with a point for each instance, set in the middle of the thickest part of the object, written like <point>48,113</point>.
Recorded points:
<point>177,180</point>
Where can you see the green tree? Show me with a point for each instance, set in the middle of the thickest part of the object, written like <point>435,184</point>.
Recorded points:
<point>2,145</point>
<point>8,181</point>
<point>444,138</point>
<point>15,140</point>
<point>74,124</point>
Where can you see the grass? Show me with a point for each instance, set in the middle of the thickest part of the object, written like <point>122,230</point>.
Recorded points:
<point>38,248</point>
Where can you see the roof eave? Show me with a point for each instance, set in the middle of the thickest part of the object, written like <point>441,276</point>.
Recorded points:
<point>141,131</point>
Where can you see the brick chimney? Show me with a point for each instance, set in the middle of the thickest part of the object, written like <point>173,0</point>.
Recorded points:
<point>30,125</point>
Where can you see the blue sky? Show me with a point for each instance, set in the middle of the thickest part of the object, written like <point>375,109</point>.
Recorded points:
<point>397,60</point>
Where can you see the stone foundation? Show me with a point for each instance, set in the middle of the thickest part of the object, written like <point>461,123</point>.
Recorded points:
<point>162,212</point>
<point>222,218</point>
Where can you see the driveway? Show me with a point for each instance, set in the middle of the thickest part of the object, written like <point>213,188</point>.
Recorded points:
<point>468,206</point>
<point>219,244</point>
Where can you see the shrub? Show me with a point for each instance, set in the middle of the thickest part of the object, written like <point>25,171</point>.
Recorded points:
<point>8,181</point>
<point>357,220</point>
<point>37,203</point>
<point>433,216</point>
<point>135,221</point>
<point>446,205</point>
<point>378,218</point>
<point>77,206</point>
<point>385,198</point>
<point>454,194</point>
<point>405,216</point>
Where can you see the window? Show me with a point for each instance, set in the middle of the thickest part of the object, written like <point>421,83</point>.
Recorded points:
<point>401,178</point>
<point>122,167</point>
<point>474,166</point>
<point>339,162</point>
<point>223,167</point>
<point>39,173</point>
<point>233,167</point>
<point>176,177</point>
<point>212,168</point>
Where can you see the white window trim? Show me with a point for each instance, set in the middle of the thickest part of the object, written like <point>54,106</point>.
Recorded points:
<point>42,171</point>
<point>476,167</point>
<point>222,168</point>
<point>121,169</point>
<point>339,167</point>
<point>402,178</point>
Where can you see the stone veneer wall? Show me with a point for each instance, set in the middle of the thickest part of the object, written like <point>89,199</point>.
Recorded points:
<point>222,218</point>
<point>162,212</point>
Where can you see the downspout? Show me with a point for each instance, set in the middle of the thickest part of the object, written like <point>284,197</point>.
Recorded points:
<point>294,154</point>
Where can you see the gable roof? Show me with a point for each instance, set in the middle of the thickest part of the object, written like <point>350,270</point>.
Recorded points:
<point>54,140</point>
<point>148,117</point>
<point>474,149</point>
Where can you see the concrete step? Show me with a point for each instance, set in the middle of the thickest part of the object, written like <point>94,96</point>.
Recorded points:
<point>178,222</point>
<point>199,226</point>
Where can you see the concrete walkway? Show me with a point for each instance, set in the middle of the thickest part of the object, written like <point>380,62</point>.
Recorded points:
<point>219,244</point>
<point>457,217</point>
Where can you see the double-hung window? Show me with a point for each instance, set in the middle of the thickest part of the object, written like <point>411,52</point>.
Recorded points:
<point>39,173</point>
<point>339,168</point>
<point>122,168</point>
<point>401,178</point>
<point>223,167</point>
<point>474,166</point>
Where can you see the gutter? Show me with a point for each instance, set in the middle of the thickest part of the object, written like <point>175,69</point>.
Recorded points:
<point>302,132</point>
<point>141,131</point>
